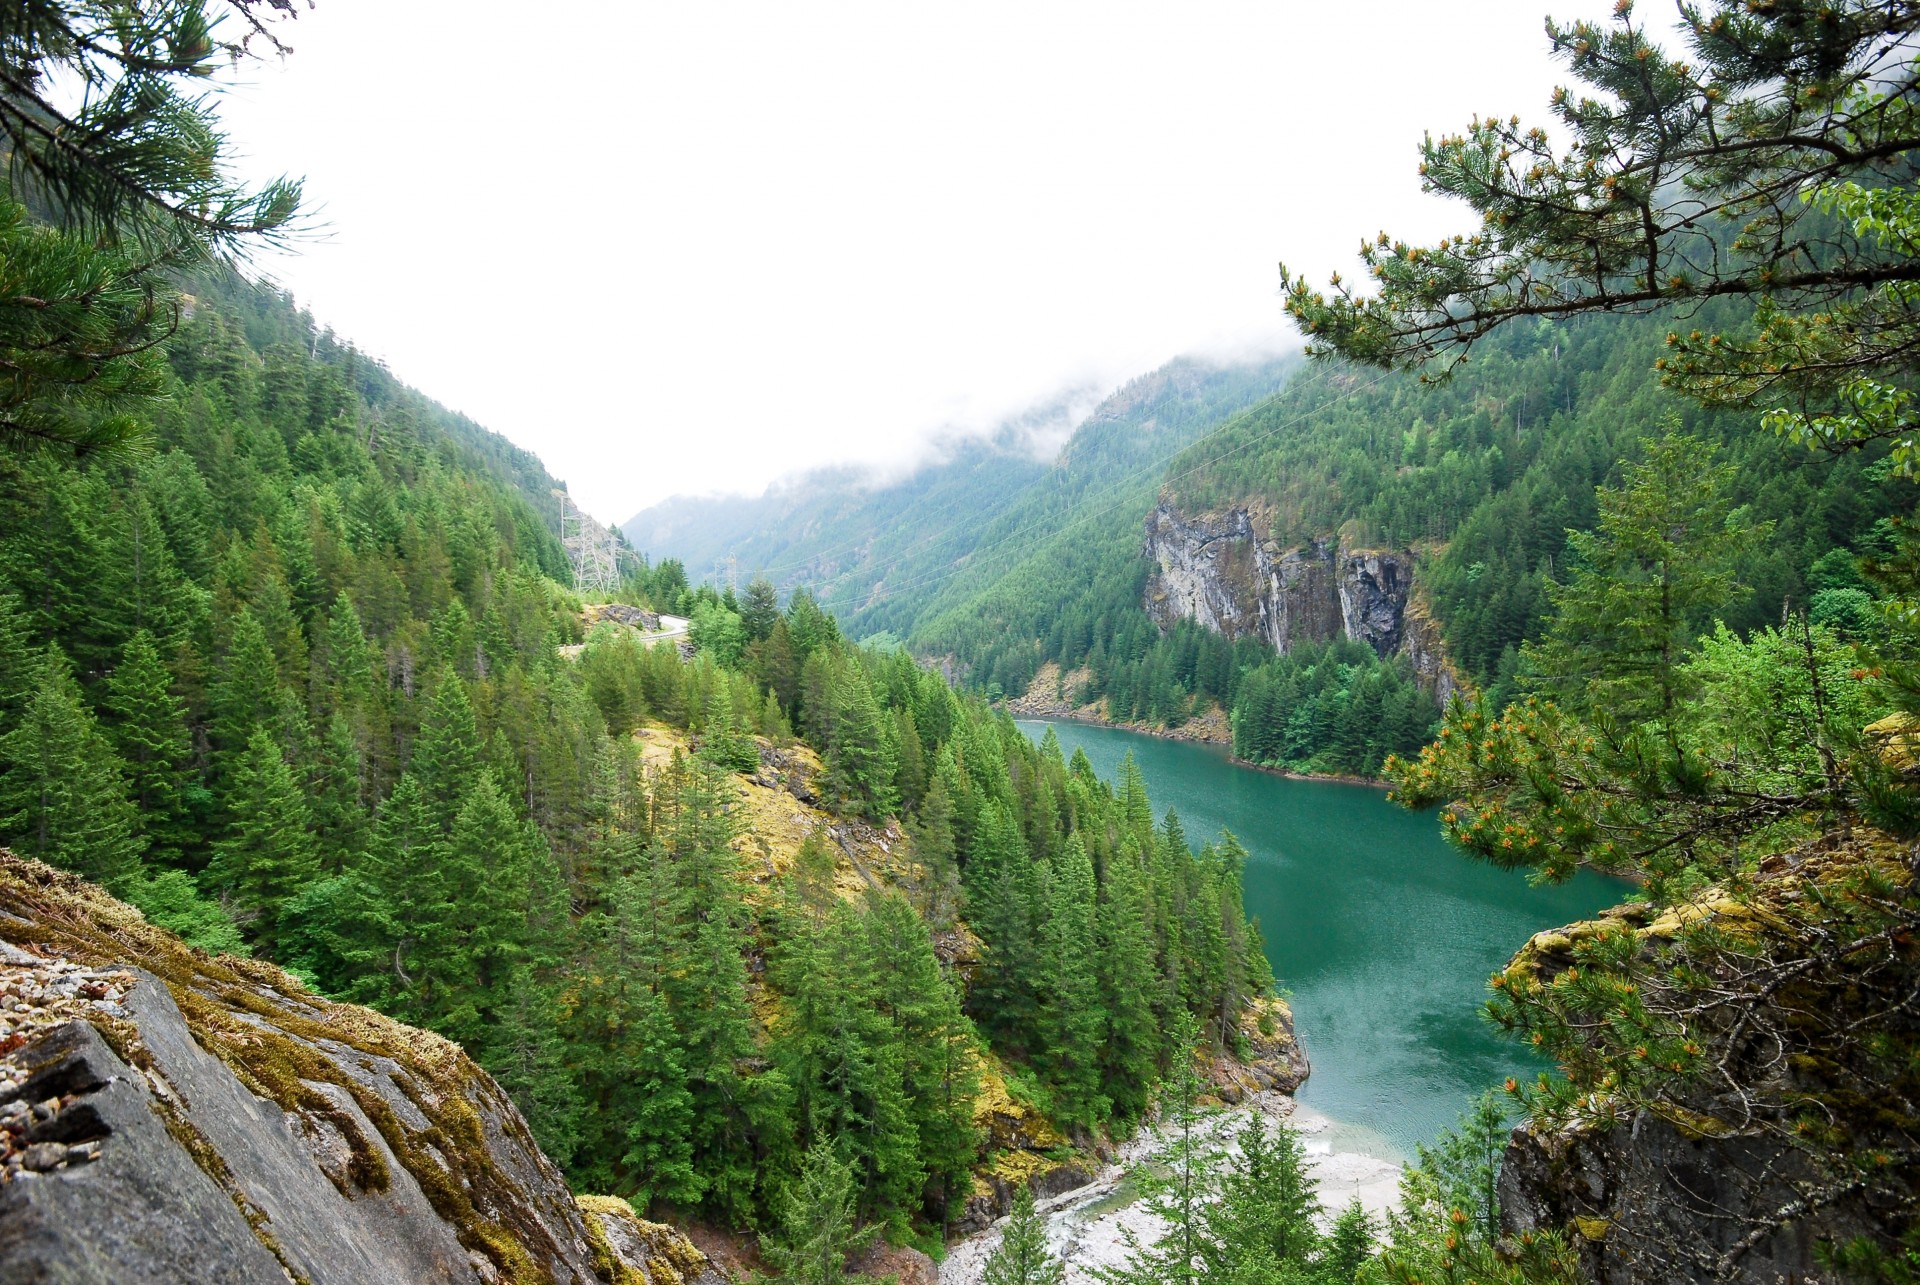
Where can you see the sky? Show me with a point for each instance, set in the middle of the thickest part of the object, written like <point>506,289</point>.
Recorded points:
<point>691,248</point>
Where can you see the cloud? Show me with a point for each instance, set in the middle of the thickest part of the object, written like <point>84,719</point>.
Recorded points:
<point>715,245</point>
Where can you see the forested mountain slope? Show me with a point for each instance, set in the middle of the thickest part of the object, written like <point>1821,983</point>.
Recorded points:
<point>879,555</point>
<point>1473,484</point>
<point>292,682</point>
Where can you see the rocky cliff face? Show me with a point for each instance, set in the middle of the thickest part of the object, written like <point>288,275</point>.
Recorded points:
<point>166,1116</point>
<point>1798,1131</point>
<point>1221,571</point>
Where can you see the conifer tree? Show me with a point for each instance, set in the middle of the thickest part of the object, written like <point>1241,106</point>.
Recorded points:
<point>637,1130</point>
<point>1348,1244</point>
<point>1131,991</point>
<point>17,659</point>
<point>1646,580</point>
<point>759,609</point>
<point>1022,1257</point>
<point>933,851</point>
<point>721,741</point>
<point>406,924</point>
<point>938,1067</point>
<point>1075,1022</point>
<point>489,861</point>
<point>150,731</point>
<point>523,1049</point>
<point>1180,1193</point>
<point>245,693</point>
<point>861,760</point>
<point>337,790</point>
<point>1004,892</point>
<point>266,856</point>
<point>1266,1209</point>
<point>817,1222</point>
<point>446,758</point>
<point>62,796</point>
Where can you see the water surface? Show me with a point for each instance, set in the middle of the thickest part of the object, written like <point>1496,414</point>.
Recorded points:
<point>1384,935</point>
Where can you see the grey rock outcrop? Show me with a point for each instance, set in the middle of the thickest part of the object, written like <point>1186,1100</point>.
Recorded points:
<point>216,1122</point>
<point>1220,571</point>
<point>1717,1178</point>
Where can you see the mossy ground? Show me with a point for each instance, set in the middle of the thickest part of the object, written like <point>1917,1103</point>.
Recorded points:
<point>268,1029</point>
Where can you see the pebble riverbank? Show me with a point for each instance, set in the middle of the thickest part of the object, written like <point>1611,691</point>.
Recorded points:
<point>1086,1227</point>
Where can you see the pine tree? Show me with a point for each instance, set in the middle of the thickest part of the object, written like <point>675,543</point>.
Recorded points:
<point>266,856</point>
<point>245,693</point>
<point>933,851</point>
<point>1131,989</point>
<point>406,924</point>
<point>1004,893</point>
<point>489,859</point>
<point>1348,1245</point>
<point>817,1222</point>
<point>938,1067</point>
<point>861,759</point>
<point>1646,580</point>
<point>1181,1192</point>
<point>638,1127</point>
<point>721,741</point>
<point>759,609</point>
<point>17,660</point>
<point>149,729</point>
<point>1074,1020</point>
<point>1266,1209</point>
<point>62,796</point>
<point>524,1051</point>
<point>446,759</point>
<point>1021,1257</point>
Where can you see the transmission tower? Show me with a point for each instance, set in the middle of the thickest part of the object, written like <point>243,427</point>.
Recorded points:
<point>590,549</point>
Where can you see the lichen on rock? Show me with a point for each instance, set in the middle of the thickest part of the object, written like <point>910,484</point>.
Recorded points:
<point>220,1122</point>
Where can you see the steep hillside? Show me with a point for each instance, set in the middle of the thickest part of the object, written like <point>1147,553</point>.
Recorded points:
<point>1462,494</point>
<point>166,1116</point>
<point>879,556</point>
<point>300,683</point>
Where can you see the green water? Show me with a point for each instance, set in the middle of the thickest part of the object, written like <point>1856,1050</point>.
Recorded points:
<point>1384,934</point>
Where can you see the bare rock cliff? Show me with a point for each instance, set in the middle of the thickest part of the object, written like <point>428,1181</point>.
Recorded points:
<point>1220,571</point>
<point>166,1116</point>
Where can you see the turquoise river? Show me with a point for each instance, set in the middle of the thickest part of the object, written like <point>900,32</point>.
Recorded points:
<point>1384,935</point>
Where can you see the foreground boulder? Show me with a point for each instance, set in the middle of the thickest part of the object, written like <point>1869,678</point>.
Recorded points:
<point>166,1116</point>
<point>1795,1134</point>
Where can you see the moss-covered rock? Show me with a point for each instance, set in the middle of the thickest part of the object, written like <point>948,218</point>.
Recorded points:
<point>346,1145</point>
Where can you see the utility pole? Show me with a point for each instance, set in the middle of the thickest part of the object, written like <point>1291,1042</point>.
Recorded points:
<point>590,549</point>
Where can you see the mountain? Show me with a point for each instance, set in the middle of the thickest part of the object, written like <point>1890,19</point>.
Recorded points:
<point>307,683</point>
<point>876,550</point>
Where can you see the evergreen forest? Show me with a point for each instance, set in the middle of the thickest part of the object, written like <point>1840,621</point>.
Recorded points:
<point>292,683</point>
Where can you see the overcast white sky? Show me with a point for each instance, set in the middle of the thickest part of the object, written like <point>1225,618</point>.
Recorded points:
<point>690,247</point>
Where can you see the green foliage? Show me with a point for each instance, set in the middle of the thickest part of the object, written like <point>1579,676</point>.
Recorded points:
<point>134,170</point>
<point>336,727</point>
<point>1448,1223</point>
<point>1021,1257</point>
<point>266,856</point>
<point>1248,1213</point>
<point>63,798</point>
<point>1334,708</point>
<point>817,1229</point>
<point>1647,580</point>
<point>1770,104</point>
<point>173,901</point>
